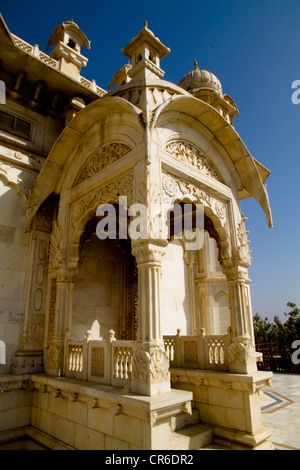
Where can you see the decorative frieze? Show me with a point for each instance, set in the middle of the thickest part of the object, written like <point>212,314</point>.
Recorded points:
<point>174,187</point>
<point>122,186</point>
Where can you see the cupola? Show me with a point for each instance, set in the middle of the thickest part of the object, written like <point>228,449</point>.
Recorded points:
<point>68,40</point>
<point>207,87</point>
<point>145,52</point>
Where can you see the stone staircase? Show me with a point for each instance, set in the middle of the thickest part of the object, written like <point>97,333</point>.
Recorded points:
<point>189,433</point>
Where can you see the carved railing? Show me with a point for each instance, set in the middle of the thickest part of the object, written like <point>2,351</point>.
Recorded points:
<point>34,50</point>
<point>110,361</point>
<point>97,360</point>
<point>206,352</point>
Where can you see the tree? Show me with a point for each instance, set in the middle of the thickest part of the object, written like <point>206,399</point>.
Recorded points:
<point>284,333</point>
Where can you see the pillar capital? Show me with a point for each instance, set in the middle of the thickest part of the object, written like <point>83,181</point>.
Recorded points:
<point>149,251</point>
<point>236,273</point>
<point>66,276</point>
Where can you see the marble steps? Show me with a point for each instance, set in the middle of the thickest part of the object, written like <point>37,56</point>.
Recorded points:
<point>183,420</point>
<point>189,433</point>
<point>193,437</point>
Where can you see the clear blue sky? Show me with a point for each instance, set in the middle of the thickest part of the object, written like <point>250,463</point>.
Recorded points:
<point>253,47</point>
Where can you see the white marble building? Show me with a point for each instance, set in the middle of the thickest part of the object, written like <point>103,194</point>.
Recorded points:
<point>101,336</point>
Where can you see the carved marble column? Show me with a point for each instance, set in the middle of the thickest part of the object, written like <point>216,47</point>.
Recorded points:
<point>62,321</point>
<point>241,351</point>
<point>150,363</point>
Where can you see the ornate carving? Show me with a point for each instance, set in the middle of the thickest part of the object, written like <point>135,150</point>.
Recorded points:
<point>188,153</point>
<point>22,179</point>
<point>52,306</point>
<point>152,417</point>
<point>173,186</point>
<point>102,158</point>
<point>57,254</point>
<point>197,381</point>
<point>97,361</point>
<point>159,366</point>
<point>115,408</point>
<point>112,191</point>
<point>55,358</point>
<point>241,353</point>
<point>152,368</point>
<point>28,385</point>
<point>36,328</point>
<point>190,352</point>
<point>140,366</point>
<point>242,252</point>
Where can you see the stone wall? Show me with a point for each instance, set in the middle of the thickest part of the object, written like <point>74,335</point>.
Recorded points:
<point>13,261</point>
<point>97,288</point>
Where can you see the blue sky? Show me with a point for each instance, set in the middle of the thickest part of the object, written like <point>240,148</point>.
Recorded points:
<point>253,47</point>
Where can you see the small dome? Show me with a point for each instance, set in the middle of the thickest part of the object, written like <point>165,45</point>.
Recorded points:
<point>200,79</point>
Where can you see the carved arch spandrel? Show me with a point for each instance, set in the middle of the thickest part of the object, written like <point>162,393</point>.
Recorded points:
<point>103,157</point>
<point>176,190</point>
<point>192,155</point>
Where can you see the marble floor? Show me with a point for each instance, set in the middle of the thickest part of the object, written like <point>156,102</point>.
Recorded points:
<point>281,411</point>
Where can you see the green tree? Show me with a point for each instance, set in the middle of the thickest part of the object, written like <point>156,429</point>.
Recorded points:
<point>285,333</point>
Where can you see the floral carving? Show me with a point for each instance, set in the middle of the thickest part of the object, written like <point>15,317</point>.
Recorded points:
<point>102,158</point>
<point>241,353</point>
<point>243,252</point>
<point>188,153</point>
<point>55,358</point>
<point>152,368</point>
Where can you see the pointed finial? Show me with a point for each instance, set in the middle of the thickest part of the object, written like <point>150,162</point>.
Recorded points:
<point>146,24</point>
<point>195,64</point>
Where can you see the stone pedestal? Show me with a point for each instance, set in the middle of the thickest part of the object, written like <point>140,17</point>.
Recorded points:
<point>229,402</point>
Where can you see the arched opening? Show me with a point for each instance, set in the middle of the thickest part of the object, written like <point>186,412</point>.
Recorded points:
<point>212,288</point>
<point>175,298</point>
<point>194,287</point>
<point>106,287</point>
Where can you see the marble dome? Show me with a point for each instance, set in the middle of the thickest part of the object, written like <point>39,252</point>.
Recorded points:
<point>200,79</point>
